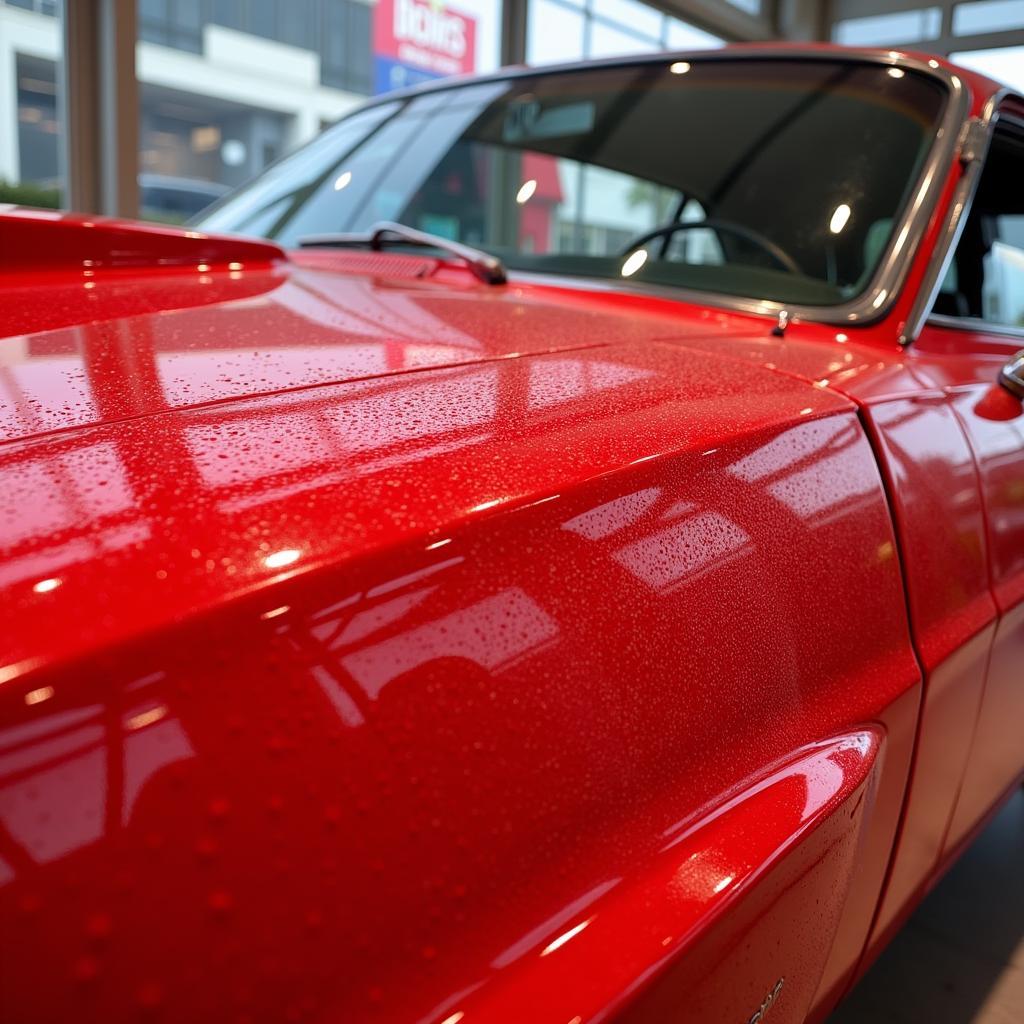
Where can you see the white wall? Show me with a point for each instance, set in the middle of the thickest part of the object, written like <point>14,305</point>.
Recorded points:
<point>33,35</point>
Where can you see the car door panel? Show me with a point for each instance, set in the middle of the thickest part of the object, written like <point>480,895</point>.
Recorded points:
<point>941,529</point>
<point>994,423</point>
<point>966,354</point>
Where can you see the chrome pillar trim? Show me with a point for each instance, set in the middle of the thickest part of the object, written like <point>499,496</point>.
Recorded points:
<point>877,299</point>
<point>973,148</point>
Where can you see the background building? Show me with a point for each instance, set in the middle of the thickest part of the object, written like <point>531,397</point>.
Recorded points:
<point>225,86</point>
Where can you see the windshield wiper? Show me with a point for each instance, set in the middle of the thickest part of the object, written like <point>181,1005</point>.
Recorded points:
<point>485,266</point>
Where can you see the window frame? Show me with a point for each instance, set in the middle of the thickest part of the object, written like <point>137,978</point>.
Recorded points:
<point>1004,107</point>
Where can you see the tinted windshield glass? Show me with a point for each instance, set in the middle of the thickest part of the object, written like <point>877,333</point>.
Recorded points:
<point>774,179</point>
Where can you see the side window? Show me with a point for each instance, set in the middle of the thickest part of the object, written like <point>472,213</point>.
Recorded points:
<point>986,278</point>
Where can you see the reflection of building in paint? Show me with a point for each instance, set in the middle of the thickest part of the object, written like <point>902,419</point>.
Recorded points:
<point>351,668</point>
<point>614,515</point>
<point>795,472</point>
<point>684,551</point>
<point>66,764</point>
<point>494,633</point>
<point>109,510</point>
<point>556,381</point>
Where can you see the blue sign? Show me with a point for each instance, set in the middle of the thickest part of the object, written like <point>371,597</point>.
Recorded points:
<point>390,74</point>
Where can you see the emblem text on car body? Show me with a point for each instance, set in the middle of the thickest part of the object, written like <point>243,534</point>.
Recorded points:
<point>762,1011</point>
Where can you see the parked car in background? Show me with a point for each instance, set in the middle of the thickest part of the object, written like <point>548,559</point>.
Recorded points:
<point>566,565</point>
<point>175,200</point>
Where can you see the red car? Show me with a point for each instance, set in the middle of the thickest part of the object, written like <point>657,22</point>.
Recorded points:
<point>569,568</point>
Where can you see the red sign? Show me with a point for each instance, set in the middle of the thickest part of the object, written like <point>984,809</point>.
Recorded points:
<point>424,35</point>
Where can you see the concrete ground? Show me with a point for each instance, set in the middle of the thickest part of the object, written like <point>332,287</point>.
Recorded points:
<point>960,958</point>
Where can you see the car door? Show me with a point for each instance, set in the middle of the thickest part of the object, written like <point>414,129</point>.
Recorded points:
<point>975,329</point>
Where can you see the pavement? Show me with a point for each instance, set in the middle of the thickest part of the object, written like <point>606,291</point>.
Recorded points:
<point>960,958</point>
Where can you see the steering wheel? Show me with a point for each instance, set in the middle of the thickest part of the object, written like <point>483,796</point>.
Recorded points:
<point>766,245</point>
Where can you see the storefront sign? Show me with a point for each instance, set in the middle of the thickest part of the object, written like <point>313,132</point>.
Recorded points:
<point>415,41</point>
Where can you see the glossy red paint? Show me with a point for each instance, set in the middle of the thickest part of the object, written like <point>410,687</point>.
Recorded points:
<point>410,591</point>
<point>993,421</point>
<point>380,646</point>
<point>44,240</point>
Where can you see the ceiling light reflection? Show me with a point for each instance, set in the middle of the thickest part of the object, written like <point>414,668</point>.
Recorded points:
<point>342,180</point>
<point>526,190</point>
<point>45,586</point>
<point>38,696</point>
<point>565,937</point>
<point>485,505</point>
<point>839,218</point>
<point>279,559</point>
<point>140,721</point>
<point>680,67</point>
<point>634,262</point>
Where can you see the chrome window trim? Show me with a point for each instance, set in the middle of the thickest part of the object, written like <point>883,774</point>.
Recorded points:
<point>974,145</point>
<point>878,297</point>
<point>975,324</point>
<point>974,152</point>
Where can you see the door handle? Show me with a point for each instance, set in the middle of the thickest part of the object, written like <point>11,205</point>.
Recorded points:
<point>1011,376</point>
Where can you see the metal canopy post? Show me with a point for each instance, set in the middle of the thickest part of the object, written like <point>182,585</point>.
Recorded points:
<point>722,19</point>
<point>100,107</point>
<point>802,20</point>
<point>514,14</point>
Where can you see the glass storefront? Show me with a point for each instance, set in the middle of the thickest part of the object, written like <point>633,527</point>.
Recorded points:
<point>227,86</point>
<point>1004,64</point>
<point>559,31</point>
<point>30,53</point>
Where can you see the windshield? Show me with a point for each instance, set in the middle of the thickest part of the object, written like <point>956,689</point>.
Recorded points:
<point>773,179</point>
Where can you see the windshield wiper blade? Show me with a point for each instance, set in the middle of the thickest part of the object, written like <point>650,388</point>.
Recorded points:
<point>485,266</point>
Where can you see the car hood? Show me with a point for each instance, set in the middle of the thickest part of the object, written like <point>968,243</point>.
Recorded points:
<point>184,438</point>
<point>146,346</point>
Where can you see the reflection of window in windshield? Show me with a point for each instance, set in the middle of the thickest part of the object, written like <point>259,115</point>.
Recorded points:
<point>775,179</point>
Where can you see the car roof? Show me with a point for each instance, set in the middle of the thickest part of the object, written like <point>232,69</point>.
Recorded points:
<point>981,86</point>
